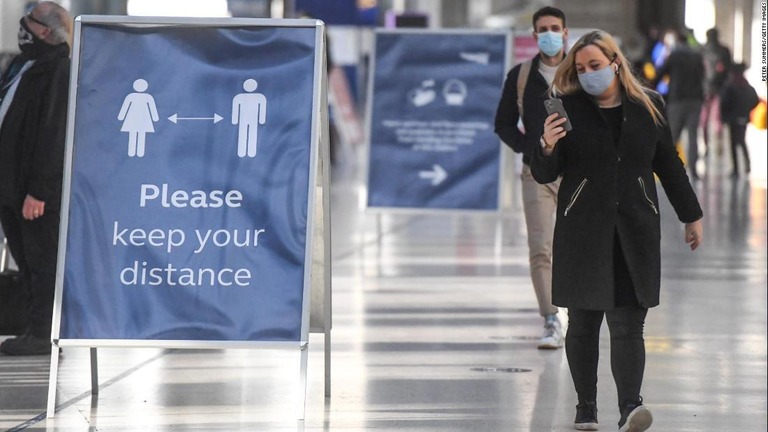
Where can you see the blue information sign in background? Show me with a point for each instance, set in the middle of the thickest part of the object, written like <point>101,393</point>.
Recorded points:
<point>434,100</point>
<point>189,183</point>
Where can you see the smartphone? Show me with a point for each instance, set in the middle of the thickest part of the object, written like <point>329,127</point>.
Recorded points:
<point>554,105</point>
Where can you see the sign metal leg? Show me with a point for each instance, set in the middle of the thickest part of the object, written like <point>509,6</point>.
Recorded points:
<point>303,381</point>
<point>94,372</point>
<point>327,345</point>
<point>52,378</point>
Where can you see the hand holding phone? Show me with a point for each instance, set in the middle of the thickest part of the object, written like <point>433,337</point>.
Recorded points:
<point>554,105</point>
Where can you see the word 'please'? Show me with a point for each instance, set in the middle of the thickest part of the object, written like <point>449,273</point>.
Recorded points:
<point>196,198</point>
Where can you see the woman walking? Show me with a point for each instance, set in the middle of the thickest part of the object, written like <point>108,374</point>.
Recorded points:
<point>606,253</point>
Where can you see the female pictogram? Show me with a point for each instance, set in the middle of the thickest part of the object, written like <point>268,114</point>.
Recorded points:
<point>138,114</point>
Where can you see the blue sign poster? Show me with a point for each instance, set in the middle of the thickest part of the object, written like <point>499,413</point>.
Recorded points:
<point>192,159</point>
<point>433,102</point>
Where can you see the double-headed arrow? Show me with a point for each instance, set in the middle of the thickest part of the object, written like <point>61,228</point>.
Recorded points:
<point>175,118</point>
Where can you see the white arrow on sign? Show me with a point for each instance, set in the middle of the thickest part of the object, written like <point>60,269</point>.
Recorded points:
<point>437,175</point>
<point>175,118</point>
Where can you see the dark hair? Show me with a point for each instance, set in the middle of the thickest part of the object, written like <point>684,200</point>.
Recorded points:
<point>682,35</point>
<point>738,68</point>
<point>548,11</point>
<point>712,34</point>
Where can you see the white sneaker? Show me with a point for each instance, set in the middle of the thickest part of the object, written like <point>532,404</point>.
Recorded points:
<point>553,336</point>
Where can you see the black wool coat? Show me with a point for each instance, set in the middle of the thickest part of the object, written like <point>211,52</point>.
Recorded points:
<point>610,190</point>
<point>508,113</point>
<point>33,133</point>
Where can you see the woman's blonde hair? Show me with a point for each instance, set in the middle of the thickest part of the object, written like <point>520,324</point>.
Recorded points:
<point>567,82</point>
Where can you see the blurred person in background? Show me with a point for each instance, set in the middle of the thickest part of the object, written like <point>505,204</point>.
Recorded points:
<point>685,69</point>
<point>33,112</point>
<point>737,100</point>
<point>659,54</point>
<point>717,63</point>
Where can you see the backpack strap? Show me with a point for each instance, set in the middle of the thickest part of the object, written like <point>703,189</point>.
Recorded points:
<point>522,79</point>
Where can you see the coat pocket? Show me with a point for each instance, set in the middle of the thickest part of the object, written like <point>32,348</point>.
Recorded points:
<point>575,196</point>
<point>645,195</point>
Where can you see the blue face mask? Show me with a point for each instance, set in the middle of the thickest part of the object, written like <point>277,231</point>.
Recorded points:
<point>550,43</point>
<point>597,82</point>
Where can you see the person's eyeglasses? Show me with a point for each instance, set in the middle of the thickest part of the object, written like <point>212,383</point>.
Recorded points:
<point>32,18</point>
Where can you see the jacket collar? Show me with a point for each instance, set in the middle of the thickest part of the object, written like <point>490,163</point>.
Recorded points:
<point>582,95</point>
<point>56,52</point>
<point>535,61</point>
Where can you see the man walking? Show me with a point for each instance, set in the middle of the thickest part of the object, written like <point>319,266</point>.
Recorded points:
<point>685,68</point>
<point>523,97</point>
<point>33,111</point>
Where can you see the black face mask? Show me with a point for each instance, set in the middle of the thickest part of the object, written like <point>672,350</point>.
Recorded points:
<point>29,44</point>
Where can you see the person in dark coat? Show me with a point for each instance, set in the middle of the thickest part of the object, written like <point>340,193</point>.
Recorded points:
<point>737,101</point>
<point>33,112</point>
<point>685,68</point>
<point>607,235</point>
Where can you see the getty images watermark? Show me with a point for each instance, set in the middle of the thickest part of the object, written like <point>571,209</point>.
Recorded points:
<point>763,30</point>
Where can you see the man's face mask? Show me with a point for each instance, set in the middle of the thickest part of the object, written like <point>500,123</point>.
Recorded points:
<point>29,43</point>
<point>550,43</point>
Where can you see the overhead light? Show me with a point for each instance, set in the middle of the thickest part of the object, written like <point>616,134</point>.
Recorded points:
<point>700,16</point>
<point>180,8</point>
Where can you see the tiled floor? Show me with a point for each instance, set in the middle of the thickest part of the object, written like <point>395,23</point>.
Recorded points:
<point>433,331</point>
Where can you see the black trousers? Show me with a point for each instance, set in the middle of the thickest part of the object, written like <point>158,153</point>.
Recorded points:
<point>34,247</point>
<point>582,347</point>
<point>625,322</point>
<point>739,140</point>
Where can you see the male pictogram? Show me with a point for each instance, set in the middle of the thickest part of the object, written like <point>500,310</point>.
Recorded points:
<point>249,110</point>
